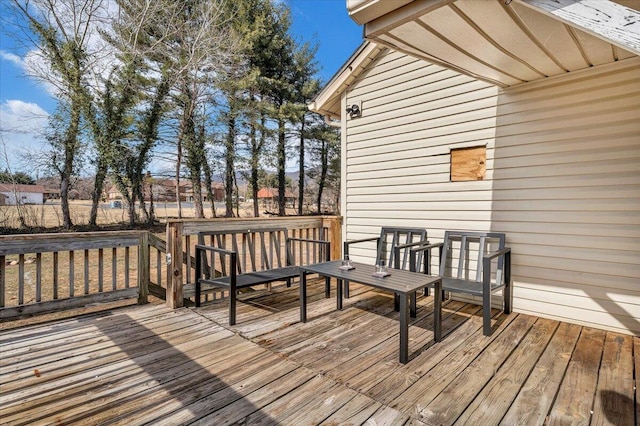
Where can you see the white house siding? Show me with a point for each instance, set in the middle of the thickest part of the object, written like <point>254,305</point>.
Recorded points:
<point>24,198</point>
<point>562,181</point>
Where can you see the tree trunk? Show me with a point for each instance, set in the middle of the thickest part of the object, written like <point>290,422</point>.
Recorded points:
<point>206,169</point>
<point>178,165</point>
<point>281,167</point>
<point>301,170</point>
<point>229,168</point>
<point>70,148</point>
<point>98,187</point>
<point>323,173</point>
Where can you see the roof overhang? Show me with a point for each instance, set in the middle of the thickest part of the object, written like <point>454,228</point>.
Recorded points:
<point>505,42</point>
<point>328,101</point>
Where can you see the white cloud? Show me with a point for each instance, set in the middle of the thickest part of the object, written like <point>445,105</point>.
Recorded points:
<point>21,128</point>
<point>22,117</point>
<point>13,58</point>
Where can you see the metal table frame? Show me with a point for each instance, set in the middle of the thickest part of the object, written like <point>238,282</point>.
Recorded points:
<point>402,283</point>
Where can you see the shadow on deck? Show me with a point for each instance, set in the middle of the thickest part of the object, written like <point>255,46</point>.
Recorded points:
<point>146,364</point>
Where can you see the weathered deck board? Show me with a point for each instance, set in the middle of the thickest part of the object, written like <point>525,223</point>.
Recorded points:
<point>577,391</point>
<point>533,402</point>
<point>614,394</point>
<point>148,364</point>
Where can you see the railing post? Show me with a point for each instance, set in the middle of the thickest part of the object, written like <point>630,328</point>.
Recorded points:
<point>144,268</point>
<point>174,270</point>
<point>334,226</point>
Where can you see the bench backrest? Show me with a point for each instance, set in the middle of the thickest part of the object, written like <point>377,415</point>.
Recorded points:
<point>393,236</point>
<point>257,250</point>
<point>262,249</point>
<point>463,252</point>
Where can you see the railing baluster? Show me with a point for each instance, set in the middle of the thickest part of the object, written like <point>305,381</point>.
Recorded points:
<point>100,270</point>
<point>3,271</point>
<point>71,274</point>
<point>127,253</point>
<point>188,251</point>
<point>86,272</point>
<point>38,277</point>
<point>158,267</point>
<point>114,269</point>
<point>55,275</point>
<point>21,279</point>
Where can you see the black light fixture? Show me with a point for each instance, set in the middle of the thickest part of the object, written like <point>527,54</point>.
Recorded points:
<point>354,111</point>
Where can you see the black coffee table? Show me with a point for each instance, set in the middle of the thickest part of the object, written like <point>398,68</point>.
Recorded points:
<point>403,283</point>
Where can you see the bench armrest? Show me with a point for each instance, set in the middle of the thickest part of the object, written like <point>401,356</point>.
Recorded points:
<point>346,244</point>
<point>215,249</point>
<point>307,240</point>
<point>325,243</point>
<point>233,265</point>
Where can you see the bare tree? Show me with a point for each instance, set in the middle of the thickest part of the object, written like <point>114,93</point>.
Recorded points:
<point>60,33</point>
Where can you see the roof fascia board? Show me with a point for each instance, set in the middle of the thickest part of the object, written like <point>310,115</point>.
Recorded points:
<point>401,16</point>
<point>366,53</point>
<point>609,21</point>
<point>363,11</point>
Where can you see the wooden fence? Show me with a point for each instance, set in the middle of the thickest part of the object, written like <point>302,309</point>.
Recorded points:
<point>50,272</point>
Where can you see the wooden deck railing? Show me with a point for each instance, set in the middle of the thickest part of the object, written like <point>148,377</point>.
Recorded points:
<point>50,272</point>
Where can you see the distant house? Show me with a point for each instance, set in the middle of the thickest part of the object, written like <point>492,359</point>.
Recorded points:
<point>22,194</point>
<point>3,200</point>
<point>268,197</point>
<point>164,190</point>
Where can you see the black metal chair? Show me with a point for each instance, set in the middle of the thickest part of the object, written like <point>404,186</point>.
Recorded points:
<point>392,247</point>
<point>466,266</point>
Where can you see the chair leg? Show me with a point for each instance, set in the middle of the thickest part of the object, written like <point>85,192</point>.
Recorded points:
<point>232,307</point>
<point>427,291</point>
<point>508,298</point>
<point>486,313</point>
<point>327,287</point>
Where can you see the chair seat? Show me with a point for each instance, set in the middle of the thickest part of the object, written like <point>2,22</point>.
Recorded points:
<point>474,288</point>
<point>255,278</point>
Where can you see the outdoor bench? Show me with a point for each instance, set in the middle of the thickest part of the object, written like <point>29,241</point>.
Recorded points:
<point>256,257</point>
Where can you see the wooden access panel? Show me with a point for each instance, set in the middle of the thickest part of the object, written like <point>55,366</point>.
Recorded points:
<point>468,164</point>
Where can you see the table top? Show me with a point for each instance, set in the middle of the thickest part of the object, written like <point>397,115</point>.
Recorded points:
<point>399,281</point>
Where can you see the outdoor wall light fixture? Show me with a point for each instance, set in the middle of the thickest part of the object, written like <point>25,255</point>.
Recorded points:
<point>354,111</point>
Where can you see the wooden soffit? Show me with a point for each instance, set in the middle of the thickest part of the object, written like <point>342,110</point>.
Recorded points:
<point>505,42</point>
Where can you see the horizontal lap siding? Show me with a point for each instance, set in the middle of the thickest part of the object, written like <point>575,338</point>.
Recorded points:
<point>562,180</point>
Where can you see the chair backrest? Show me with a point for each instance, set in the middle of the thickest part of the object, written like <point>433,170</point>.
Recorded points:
<point>463,252</point>
<point>394,236</point>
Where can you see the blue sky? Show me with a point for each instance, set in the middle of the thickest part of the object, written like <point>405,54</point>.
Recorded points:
<point>25,103</point>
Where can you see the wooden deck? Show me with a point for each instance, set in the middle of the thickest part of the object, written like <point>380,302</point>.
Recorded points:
<point>149,364</point>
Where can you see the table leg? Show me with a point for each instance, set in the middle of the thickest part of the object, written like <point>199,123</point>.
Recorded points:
<point>437,315</point>
<point>339,295</point>
<point>414,305</point>
<point>327,287</point>
<point>404,328</point>
<point>303,296</point>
